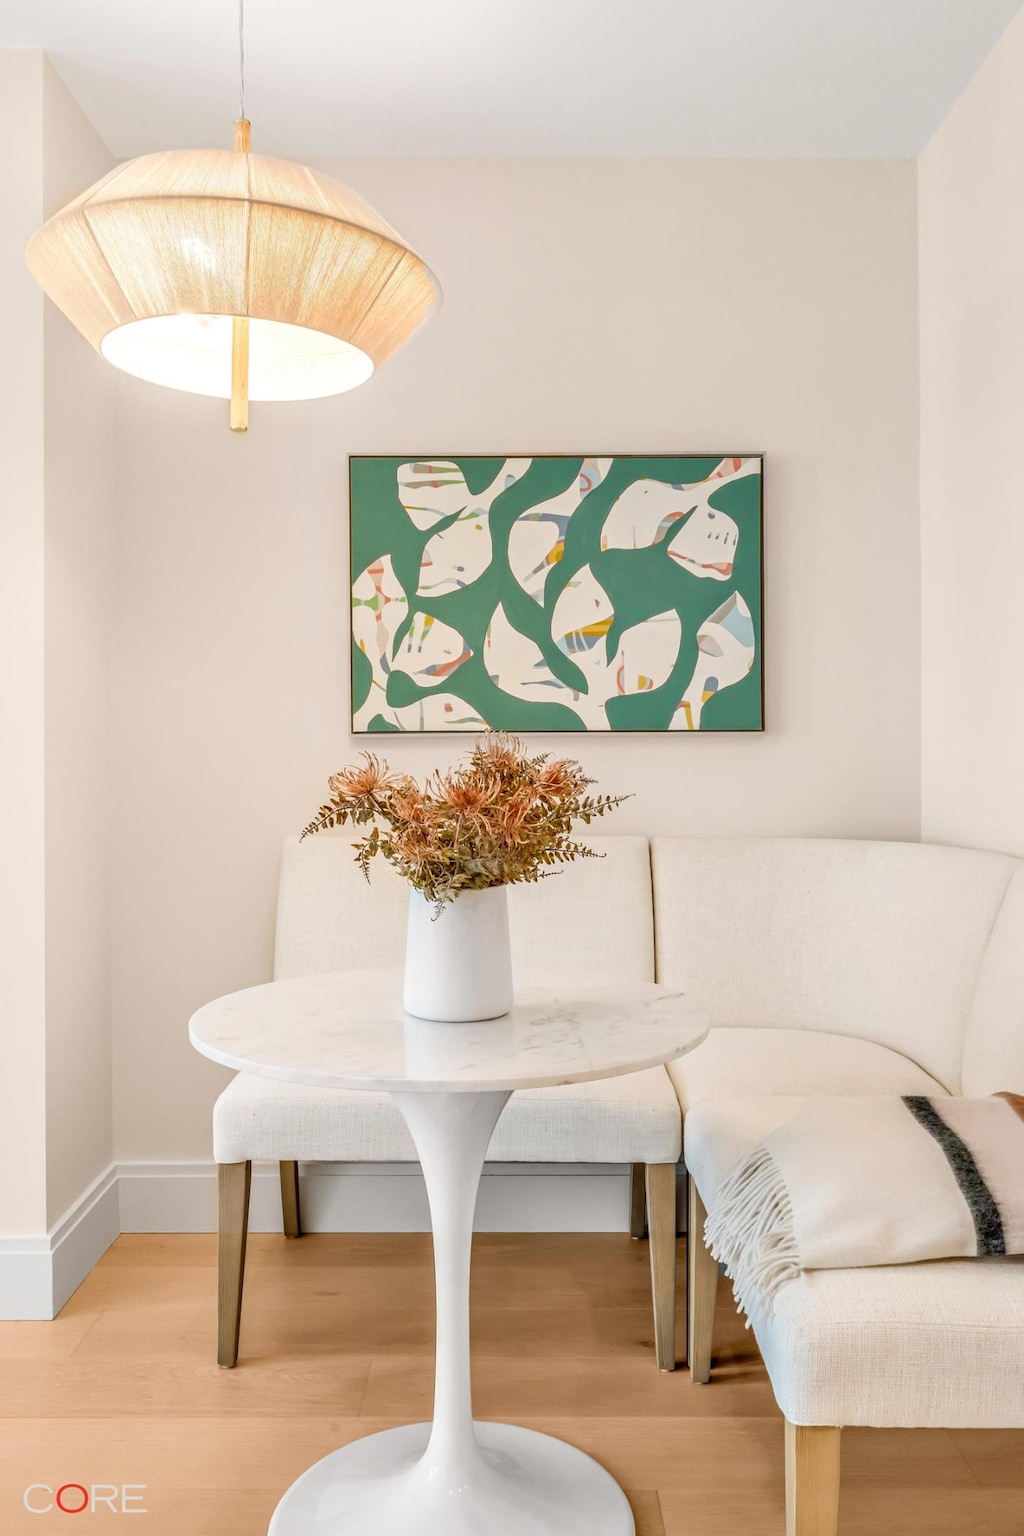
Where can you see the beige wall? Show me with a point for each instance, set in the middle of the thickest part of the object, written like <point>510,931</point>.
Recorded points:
<point>22,971</point>
<point>78,476</point>
<point>591,306</point>
<point>55,484</point>
<point>972,428</point>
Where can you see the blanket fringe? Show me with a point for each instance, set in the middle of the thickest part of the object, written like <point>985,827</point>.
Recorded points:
<point>750,1230</point>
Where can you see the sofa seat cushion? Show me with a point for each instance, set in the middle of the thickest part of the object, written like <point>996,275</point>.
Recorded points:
<point>737,1063</point>
<point>633,1118</point>
<point>938,1344</point>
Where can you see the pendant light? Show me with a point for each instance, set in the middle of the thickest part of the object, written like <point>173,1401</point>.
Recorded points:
<point>231,274</point>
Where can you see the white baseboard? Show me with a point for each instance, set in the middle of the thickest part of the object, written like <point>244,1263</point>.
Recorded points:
<point>38,1274</point>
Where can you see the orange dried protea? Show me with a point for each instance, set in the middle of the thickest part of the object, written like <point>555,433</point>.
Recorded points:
<point>500,818</point>
<point>353,782</point>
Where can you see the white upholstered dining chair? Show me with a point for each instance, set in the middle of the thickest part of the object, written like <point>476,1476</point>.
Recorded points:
<point>590,923</point>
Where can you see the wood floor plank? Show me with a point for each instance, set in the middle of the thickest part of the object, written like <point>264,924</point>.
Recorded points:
<point>995,1456</point>
<point>168,1512</point>
<point>880,1458</point>
<point>914,1510</point>
<point>86,1386</point>
<point>516,1387</point>
<point>330,1323</point>
<point>56,1340</point>
<point>237,1451</point>
<point>646,1509</point>
<point>337,1342</point>
<point>725,1512</point>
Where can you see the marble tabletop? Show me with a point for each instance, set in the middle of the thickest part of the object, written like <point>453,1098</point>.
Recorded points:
<point>349,1030</point>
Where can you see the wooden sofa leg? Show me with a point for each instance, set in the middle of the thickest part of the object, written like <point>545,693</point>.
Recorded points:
<point>290,1210</point>
<point>233,1184</point>
<point>701,1291</point>
<point>638,1200</point>
<point>812,1480</point>
<point>661,1219</point>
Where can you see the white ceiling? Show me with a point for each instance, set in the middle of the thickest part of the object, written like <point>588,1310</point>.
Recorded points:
<point>518,77</point>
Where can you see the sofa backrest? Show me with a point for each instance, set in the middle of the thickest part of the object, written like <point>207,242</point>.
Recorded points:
<point>994,1044</point>
<point>592,921</point>
<point>883,941</point>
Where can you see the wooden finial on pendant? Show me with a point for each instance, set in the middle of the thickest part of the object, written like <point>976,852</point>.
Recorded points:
<point>239,374</point>
<point>240,326</point>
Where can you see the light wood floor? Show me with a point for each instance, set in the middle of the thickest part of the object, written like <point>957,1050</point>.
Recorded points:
<point>337,1341</point>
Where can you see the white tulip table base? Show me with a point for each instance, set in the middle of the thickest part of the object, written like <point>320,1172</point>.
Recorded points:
<point>516,1483</point>
<point>454,1477</point>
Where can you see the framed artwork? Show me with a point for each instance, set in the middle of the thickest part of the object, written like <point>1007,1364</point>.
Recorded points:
<point>553,593</point>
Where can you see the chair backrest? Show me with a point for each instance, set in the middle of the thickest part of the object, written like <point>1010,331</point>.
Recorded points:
<point>593,921</point>
<point>994,1045</point>
<point>883,941</point>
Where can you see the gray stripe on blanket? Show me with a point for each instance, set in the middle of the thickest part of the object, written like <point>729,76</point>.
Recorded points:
<point>988,1223</point>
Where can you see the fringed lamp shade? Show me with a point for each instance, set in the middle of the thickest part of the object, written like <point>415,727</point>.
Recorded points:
<point>159,264</point>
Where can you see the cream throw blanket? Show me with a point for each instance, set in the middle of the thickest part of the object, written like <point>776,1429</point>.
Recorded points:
<point>849,1183</point>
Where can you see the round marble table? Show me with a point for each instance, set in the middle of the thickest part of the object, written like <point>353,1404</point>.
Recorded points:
<point>454,1476</point>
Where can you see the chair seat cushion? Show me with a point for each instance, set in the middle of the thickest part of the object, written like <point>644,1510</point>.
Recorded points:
<point>740,1062</point>
<point>630,1119</point>
<point>938,1344</point>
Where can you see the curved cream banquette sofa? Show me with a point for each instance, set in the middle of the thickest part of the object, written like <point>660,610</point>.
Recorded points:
<point>827,967</point>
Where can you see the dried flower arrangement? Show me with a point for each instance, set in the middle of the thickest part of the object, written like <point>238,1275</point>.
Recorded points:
<point>500,818</point>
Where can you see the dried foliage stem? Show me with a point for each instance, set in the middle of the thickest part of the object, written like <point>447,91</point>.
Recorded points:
<point>499,818</point>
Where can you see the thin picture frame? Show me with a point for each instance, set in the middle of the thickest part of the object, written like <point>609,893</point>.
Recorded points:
<point>761,456</point>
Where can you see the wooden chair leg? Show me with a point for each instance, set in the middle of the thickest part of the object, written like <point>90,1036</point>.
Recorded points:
<point>637,1200</point>
<point>701,1291</point>
<point>290,1210</point>
<point>661,1219</point>
<point>233,1184</point>
<point>812,1480</point>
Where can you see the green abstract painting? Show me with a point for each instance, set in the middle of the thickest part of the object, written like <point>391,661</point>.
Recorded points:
<point>556,594</point>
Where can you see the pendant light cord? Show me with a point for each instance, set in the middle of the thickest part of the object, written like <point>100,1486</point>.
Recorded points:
<point>241,58</point>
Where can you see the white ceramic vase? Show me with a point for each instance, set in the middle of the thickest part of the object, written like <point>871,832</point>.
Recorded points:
<point>458,965</point>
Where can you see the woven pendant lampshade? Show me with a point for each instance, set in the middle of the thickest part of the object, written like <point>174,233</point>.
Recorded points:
<point>233,274</point>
